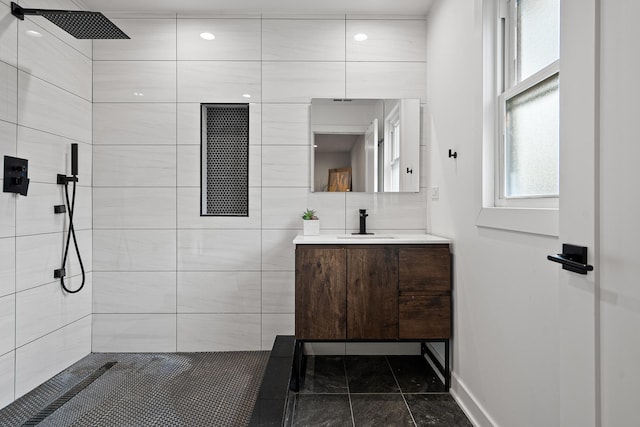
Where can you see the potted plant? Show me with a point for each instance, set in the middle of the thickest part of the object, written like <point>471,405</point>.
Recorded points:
<point>311,223</point>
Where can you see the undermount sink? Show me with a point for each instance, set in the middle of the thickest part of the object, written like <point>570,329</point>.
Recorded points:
<point>365,236</point>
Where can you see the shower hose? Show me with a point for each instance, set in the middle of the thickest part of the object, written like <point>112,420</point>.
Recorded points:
<point>71,233</point>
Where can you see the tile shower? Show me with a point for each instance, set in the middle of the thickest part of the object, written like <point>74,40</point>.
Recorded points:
<point>162,278</point>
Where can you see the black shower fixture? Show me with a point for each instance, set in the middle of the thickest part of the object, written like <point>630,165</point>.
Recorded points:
<point>80,24</point>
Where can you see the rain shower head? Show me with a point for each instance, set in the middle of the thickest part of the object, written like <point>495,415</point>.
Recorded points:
<point>80,24</point>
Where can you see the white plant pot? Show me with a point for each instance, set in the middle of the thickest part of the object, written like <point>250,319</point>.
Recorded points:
<point>311,227</point>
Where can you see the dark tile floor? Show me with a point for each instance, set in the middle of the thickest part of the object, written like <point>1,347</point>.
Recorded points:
<point>373,391</point>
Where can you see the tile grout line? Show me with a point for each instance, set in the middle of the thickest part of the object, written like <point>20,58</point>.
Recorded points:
<point>176,144</point>
<point>401,392</point>
<point>346,377</point>
<point>15,232</point>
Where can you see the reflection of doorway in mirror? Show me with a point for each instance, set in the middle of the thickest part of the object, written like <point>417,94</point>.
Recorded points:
<point>339,179</point>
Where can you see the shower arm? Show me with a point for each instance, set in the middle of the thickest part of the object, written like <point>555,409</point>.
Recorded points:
<point>20,12</point>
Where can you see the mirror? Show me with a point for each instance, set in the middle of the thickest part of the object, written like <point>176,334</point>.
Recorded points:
<point>365,145</point>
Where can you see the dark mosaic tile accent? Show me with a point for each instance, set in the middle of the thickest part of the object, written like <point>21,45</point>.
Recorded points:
<point>436,410</point>
<point>370,374</point>
<point>415,375</point>
<point>325,374</point>
<point>380,410</point>
<point>322,410</point>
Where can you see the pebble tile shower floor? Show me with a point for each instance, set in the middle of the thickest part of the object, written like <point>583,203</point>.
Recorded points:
<point>150,389</point>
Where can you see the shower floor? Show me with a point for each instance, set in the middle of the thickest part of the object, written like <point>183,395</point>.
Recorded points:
<point>148,389</point>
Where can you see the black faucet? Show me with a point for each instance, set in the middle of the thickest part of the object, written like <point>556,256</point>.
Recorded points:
<point>363,222</point>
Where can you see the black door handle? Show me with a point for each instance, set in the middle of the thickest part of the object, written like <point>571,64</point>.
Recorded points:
<point>572,258</point>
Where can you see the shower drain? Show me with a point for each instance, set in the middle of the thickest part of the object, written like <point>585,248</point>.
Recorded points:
<point>56,404</point>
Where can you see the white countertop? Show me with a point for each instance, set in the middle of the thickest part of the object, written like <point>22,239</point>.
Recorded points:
<point>370,239</point>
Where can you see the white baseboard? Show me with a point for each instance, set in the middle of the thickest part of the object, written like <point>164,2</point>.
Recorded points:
<point>476,413</point>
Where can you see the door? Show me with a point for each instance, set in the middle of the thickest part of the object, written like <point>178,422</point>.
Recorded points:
<point>578,211</point>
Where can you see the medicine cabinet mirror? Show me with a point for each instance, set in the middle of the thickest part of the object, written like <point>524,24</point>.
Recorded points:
<point>365,145</point>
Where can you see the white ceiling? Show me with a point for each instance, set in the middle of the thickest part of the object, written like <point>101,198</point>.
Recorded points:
<point>287,7</point>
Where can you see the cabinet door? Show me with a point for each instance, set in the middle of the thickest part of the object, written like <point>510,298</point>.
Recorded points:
<point>425,316</point>
<point>372,293</point>
<point>424,269</point>
<point>321,293</point>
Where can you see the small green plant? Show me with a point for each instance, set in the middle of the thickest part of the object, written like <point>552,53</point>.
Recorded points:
<point>309,214</point>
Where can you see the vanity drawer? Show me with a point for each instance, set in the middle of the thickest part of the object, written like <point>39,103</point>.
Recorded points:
<point>423,270</point>
<point>424,317</point>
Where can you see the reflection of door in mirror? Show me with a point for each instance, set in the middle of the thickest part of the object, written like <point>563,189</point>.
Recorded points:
<point>339,179</point>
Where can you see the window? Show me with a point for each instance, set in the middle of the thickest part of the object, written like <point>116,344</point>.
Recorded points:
<point>225,160</point>
<point>528,79</point>
<point>392,152</point>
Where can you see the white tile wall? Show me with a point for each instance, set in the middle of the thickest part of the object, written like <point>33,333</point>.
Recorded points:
<point>50,59</point>
<point>150,39</point>
<point>8,93</point>
<point>134,208</point>
<point>39,360</point>
<point>386,80</point>
<point>134,250</point>
<point>49,155</point>
<point>218,81</point>
<point>388,40</point>
<point>224,332</point>
<point>38,255</point>
<point>303,40</point>
<point>276,324</point>
<point>219,250</point>
<point>301,81</point>
<point>227,282</point>
<point>235,39</point>
<point>134,166</point>
<point>134,292</point>
<point>35,212</point>
<point>44,107</point>
<point>285,166</point>
<point>40,103</point>
<point>285,124</point>
<point>223,292</point>
<point>9,39</point>
<point>134,332</point>
<point>137,123</point>
<point>7,266</point>
<point>119,81</point>
<point>189,212</point>
<point>278,292</point>
<point>45,308</point>
<point>7,323</point>
<point>7,378</point>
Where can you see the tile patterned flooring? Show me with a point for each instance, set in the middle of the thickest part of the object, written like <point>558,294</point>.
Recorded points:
<point>373,391</point>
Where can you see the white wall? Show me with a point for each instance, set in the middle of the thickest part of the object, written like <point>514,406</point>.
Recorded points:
<point>167,279</point>
<point>619,207</point>
<point>505,345</point>
<point>45,105</point>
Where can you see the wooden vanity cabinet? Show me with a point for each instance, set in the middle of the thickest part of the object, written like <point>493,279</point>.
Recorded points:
<point>424,286</point>
<point>321,292</point>
<point>373,292</point>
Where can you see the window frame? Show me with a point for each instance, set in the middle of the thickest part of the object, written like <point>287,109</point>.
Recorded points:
<point>535,216</point>
<point>507,88</point>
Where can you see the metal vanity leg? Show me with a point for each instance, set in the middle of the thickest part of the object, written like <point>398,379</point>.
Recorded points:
<point>296,379</point>
<point>447,368</point>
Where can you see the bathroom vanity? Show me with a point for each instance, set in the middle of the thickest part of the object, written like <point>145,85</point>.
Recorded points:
<point>373,288</point>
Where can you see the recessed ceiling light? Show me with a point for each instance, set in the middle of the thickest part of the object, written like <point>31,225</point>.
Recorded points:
<point>207,36</point>
<point>138,94</point>
<point>33,33</point>
<point>246,95</point>
<point>315,145</point>
<point>360,37</point>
